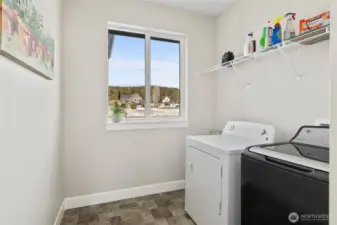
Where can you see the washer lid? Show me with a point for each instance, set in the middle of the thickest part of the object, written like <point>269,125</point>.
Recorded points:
<point>300,150</point>
<point>228,144</point>
<point>309,156</point>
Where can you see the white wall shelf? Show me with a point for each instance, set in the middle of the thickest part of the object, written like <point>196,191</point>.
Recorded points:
<point>310,38</point>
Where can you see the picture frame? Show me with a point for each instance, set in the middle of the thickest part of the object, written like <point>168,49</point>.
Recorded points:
<point>25,38</point>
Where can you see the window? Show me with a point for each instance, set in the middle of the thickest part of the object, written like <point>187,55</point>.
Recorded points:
<point>165,75</point>
<point>147,75</point>
<point>127,73</point>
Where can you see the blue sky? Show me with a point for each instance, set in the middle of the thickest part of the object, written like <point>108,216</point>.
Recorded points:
<point>127,63</point>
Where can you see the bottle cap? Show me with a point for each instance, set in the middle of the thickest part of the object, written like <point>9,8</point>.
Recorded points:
<point>278,19</point>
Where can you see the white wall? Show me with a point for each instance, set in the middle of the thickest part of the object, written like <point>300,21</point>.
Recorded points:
<point>333,118</point>
<point>31,177</point>
<point>275,95</point>
<point>97,160</point>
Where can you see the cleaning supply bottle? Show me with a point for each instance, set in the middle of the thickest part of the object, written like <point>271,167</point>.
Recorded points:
<point>290,31</point>
<point>269,34</point>
<point>266,37</point>
<point>252,44</point>
<point>246,48</point>
<point>263,39</point>
<point>277,32</point>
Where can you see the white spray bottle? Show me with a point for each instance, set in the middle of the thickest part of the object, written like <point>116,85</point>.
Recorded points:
<point>290,31</point>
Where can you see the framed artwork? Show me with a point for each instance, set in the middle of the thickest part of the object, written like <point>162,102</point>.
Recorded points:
<point>25,38</point>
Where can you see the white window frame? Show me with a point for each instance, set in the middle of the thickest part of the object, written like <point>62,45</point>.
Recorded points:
<point>155,122</point>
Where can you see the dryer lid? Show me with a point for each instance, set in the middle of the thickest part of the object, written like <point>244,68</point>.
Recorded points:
<point>228,144</point>
<point>236,136</point>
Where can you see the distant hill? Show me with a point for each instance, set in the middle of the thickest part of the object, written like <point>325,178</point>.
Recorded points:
<point>172,93</point>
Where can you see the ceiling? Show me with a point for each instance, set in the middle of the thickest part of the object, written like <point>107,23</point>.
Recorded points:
<point>206,7</point>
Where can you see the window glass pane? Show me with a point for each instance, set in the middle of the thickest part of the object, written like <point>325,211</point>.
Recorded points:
<point>165,78</point>
<point>127,73</point>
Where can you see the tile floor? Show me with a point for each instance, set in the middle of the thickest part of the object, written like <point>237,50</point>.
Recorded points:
<point>161,209</point>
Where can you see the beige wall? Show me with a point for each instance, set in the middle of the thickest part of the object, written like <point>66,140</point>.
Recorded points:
<point>333,113</point>
<point>275,96</point>
<point>97,160</point>
<point>30,162</point>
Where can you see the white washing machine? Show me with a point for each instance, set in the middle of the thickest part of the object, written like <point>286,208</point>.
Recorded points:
<point>213,174</point>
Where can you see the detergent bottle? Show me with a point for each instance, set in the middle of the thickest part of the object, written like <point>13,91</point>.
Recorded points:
<point>290,31</point>
<point>277,32</point>
<point>263,39</point>
<point>252,44</point>
<point>247,46</point>
<point>266,37</point>
<point>269,34</point>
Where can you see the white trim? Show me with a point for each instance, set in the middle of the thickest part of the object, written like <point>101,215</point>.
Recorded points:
<point>147,76</point>
<point>146,125</point>
<point>60,214</point>
<point>163,122</point>
<point>112,196</point>
<point>143,30</point>
<point>184,78</point>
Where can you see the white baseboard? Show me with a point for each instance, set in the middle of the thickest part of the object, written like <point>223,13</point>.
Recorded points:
<point>60,214</point>
<point>111,196</point>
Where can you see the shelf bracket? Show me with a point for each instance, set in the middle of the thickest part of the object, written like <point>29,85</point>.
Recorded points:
<point>234,67</point>
<point>248,83</point>
<point>292,67</point>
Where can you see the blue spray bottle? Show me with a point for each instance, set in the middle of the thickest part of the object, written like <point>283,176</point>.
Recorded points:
<point>277,32</point>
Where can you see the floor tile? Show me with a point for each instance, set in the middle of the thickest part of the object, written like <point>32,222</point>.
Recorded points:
<point>179,220</point>
<point>69,220</point>
<point>163,200</point>
<point>125,214</point>
<point>161,212</point>
<point>178,203</point>
<point>116,220</point>
<point>176,211</point>
<point>144,198</point>
<point>160,209</point>
<point>150,204</point>
<point>128,203</point>
<point>146,214</point>
<point>161,222</point>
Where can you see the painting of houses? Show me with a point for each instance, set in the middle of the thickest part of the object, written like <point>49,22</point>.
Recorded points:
<point>25,39</point>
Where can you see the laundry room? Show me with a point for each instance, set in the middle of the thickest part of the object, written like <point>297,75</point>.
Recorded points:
<point>284,86</point>
<point>168,112</point>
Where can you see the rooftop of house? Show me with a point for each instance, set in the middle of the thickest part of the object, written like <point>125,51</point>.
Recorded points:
<point>128,97</point>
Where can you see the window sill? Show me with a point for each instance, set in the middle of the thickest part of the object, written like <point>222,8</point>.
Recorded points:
<point>145,125</point>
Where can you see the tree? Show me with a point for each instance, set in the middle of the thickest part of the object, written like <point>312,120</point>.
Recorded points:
<point>133,105</point>
<point>172,93</point>
<point>34,20</point>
